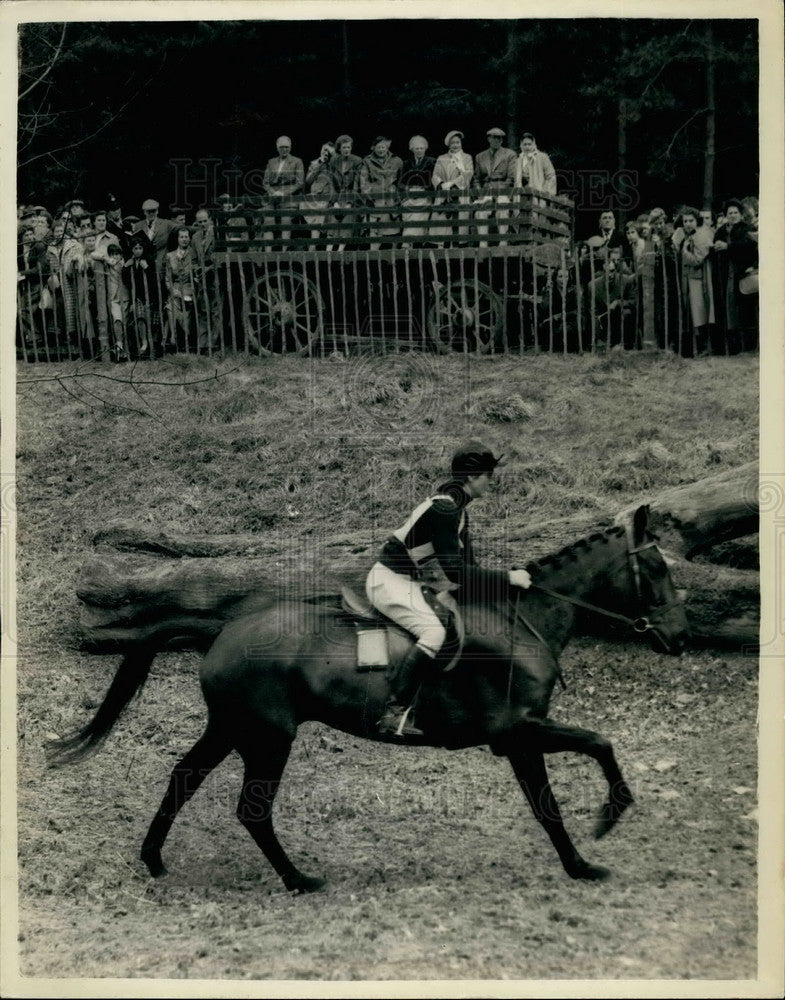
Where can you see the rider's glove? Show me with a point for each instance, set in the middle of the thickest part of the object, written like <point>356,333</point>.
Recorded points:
<point>520,578</point>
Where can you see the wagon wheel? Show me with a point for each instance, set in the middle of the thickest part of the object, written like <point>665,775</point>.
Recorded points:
<point>284,311</point>
<point>465,311</point>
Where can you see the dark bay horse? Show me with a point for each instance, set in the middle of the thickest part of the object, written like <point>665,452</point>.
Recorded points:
<point>267,672</point>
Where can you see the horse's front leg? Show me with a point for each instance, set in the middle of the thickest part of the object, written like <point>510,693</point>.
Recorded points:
<point>554,737</point>
<point>529,768</point>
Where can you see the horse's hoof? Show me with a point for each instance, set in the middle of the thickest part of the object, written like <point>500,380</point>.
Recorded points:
<point>612,811</point>
<point>155,865</point>
<point>300,884</point>
<point>589,873</point>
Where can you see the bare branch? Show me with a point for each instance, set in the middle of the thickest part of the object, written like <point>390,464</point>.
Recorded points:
<point>92,135</point>
<point>49,65</point>
<point>78,373</point>
<point>700,111</point>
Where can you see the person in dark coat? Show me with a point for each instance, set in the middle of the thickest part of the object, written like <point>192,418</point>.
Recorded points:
<point>139,278</point>
<point>735,253</point>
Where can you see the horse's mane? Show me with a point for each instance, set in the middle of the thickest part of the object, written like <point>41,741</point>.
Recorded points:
<point>570,552</point>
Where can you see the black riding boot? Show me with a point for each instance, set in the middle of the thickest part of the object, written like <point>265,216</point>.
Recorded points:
<point>398,719</point>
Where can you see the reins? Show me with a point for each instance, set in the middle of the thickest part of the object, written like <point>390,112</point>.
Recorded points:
<point>642,624</point>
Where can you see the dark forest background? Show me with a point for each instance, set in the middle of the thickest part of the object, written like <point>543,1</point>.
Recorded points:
<point>666,109</point>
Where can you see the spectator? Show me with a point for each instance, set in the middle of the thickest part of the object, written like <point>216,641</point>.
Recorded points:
<point>320,187</point>
<point>100,260</point>
<point>65,260</point>
<point>177,215</point>
<point>346,172</point>
<point>736,254</point>
<point>141,287</point>
<point>235,226</point>
<point>86,295</point>
<point>612,293</point>
<point>696,283</point>
<point>181,307</point>
<point>283,179</point>
<point>156,230</point>
<point>667,303</point>
<point>208,296</point>
<point>76,210</point>
<point>610,237</point>
<point>117,295</point>
<point>636,241</point>
<point>749,213</point>
<point>452,178</point>
<point>415,186</point>
<point>42,222</point>
<point>534,168</point>
<point>32,270</point>
<point>661,229</point>
<point>494,176</point>
<point>708,220</point>
<point>379,175</point>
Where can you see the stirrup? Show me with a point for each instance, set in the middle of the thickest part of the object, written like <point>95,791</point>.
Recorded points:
<point>398,721</point>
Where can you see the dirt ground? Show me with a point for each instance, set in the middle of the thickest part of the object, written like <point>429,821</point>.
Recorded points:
<point>435,866</point>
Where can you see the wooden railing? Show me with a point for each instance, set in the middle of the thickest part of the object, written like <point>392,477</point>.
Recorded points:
<point>395,220</point>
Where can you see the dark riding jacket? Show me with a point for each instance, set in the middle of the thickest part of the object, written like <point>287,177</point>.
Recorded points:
<point>438,528</point>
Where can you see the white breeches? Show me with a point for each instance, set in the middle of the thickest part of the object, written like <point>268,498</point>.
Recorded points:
<point>401,599</point>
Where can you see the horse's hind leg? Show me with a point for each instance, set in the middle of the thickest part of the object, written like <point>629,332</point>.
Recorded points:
<point>264,766</point>
<point>529,768</point>
<point>554,737</point>
<point>205,755</point>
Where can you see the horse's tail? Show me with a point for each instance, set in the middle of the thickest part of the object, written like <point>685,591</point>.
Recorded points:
<point>131,675</point>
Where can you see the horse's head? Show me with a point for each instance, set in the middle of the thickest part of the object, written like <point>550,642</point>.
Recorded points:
<point>653,603</point>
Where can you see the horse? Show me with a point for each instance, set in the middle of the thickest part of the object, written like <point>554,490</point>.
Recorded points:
<point>291,661</point>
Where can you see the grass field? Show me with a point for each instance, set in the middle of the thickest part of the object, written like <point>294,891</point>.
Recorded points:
<point>435,867</point>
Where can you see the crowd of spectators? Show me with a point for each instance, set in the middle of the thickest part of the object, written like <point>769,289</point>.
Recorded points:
<point>703,271</point>
<point>117,285</point>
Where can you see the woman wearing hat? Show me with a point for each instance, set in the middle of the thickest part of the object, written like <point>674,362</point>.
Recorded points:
<point>415,185</point>
<point>452,178</point>
<point>432,550</point>
<point>379,175</point>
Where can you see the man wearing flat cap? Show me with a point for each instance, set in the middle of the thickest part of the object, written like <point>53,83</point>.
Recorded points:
<point>432,551</point>
<point>156,230</point>
<point>284,177</point>
<point>494,176</point>
<point>379,175</point>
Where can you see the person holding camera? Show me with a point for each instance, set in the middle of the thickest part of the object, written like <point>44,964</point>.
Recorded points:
<point>321,194</point>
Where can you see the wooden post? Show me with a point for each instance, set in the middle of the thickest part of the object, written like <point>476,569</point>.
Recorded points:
<point>647,296</point>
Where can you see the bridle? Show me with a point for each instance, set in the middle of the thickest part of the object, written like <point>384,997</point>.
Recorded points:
<point>642,624</point>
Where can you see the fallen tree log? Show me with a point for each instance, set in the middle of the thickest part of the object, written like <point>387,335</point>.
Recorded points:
<point>138,577</point>
<point>693,518</point>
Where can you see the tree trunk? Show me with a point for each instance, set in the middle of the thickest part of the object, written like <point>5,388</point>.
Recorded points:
<point>138,578</point>
<point>513,84</point>
<point>709,152</point>
<point>347,84</point>
<point>621,119</point>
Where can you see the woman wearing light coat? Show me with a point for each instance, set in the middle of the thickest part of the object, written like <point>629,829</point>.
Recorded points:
<point>452,178</point>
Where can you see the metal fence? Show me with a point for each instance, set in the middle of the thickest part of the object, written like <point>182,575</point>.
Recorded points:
<point>486,276</point>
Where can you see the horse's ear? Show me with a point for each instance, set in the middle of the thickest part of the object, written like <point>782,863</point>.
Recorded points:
<point>639,523</point>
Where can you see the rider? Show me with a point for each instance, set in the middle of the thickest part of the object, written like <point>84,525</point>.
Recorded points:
<point>431,549</point>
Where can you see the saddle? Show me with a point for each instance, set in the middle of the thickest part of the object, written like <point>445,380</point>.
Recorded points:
<point>372,628</point>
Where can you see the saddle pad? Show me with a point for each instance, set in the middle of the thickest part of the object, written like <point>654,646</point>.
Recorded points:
<point>372,648</point>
